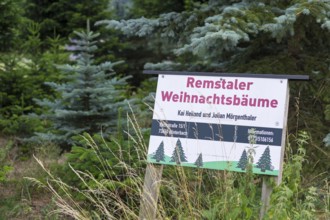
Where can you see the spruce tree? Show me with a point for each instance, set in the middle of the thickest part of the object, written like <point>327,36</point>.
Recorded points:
<point>90,97</point>
<point>178,154</point>
<point>199,161</point>
<point>265,162</point>
<point>243,161</point>
<point>159,154</point>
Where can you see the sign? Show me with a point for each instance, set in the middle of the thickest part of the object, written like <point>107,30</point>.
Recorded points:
<point>217,122</point>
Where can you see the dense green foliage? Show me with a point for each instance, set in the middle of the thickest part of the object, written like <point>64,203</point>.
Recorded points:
<point>81,101</point>
<point>23,77</point>
<point>10,21</point>
<point>152,8</point>
<point>290,37</point>
<point>61,17</point>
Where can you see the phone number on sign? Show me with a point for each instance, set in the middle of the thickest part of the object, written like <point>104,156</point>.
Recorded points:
<point>265,139</point>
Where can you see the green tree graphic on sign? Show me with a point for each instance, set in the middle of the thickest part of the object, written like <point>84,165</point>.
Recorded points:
<point>199,160</point>
<point>265,162</point>
<point>159,154</point>
<point>178,155</point>
<point>243,161</point>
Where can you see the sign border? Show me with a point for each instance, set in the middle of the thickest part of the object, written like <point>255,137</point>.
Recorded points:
<point>247,75</point>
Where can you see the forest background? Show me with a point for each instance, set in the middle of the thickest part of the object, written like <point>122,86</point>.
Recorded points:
<point>74,104</point>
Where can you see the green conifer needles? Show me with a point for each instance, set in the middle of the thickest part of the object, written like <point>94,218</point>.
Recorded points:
<point>90,95</point>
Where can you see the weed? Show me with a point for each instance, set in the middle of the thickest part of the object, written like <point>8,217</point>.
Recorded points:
<point>184,193</point>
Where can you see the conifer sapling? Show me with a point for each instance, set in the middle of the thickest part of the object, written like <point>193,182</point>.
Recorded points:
<point>89,98</point>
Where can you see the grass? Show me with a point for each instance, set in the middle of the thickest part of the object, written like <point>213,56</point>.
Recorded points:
<point>185,192</point>
<point>19,199</point>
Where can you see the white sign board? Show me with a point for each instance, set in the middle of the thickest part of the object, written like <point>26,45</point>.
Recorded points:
<point>206,121</point>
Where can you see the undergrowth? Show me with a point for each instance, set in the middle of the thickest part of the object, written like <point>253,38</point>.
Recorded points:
<point>185,193</point>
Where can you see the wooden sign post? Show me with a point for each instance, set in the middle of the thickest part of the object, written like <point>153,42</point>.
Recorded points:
<point>204,120</point>
<point>267,189</point>
<point>148,206</point>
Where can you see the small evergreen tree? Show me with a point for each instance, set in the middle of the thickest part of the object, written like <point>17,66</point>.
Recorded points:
<point>91,96</point>
<point>265,162</point>
<point>22,78</point>
<point>243,161</point>
<point>178,155</point>
<point>199,161</point>
<point>10,21</point>
<point>159,154</point>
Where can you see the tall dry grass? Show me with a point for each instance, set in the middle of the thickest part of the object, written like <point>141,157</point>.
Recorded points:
<point>185,193</point>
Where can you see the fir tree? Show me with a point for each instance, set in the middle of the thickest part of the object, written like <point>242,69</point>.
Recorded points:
<point>22,77</point>
<point>265,162</point>
<point>178,155</point>
<point>243,161</point>
<point>159,154</point>
<point>199,161</point>
<point>90,98</point>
